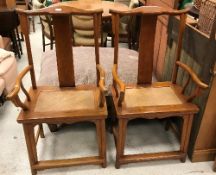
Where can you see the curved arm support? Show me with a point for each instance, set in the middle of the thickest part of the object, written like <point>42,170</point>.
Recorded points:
<point>101,84</point>
<point>121,85</point>
<point>193,76</point>
<point>13,95</point>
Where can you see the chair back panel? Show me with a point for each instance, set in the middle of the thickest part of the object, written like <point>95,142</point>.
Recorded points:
<point>146,49</point>
<point>63,38</point>
<point>62,25</point>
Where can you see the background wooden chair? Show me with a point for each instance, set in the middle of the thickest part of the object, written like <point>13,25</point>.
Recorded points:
<point>64,104</point>
<point>128,25</point>
<point>9,23</point>
<point>83,32</point>
<point>152,100</point>
<point>47,31</point>
<point>26,5</point>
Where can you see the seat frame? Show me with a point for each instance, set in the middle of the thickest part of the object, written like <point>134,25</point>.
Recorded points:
<point>186,110</point>
<point>28,117</point>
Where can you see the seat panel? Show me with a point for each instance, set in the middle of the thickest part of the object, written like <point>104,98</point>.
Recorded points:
<point>151,96</point>
<point>162,99</point>
<point>54,104</point>
<point>65,101</point>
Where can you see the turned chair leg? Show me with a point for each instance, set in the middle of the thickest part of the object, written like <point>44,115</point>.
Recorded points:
<point>185,136</point>
<point>31,145</point>
<point>121,136</point>
<point>101,137</point>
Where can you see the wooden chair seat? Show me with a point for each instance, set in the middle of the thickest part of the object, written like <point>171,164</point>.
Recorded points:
<point>152,99</point>
<point>50,104</point>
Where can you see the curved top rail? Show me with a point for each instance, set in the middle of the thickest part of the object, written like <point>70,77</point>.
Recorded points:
<point>60,10</point>
<point>150,10</point>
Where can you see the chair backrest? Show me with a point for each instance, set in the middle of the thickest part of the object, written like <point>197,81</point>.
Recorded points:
<point>46,24</point>
<point>8,20</point>
<point>148,19</point>
<point>61,16</point>
<point>83,31</point>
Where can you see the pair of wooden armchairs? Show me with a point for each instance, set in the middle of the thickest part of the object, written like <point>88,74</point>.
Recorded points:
<point>69,103</point>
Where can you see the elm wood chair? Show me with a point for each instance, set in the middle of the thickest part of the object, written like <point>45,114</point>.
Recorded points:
<point>149,100</point>
<point>47,31</point>
<point>64,104</point>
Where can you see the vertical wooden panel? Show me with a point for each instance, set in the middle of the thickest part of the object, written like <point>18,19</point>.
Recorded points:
<point>63,37</point>
<point>206,138</point>
<point>146,49</point>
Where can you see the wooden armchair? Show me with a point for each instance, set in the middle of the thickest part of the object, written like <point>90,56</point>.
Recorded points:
<point>64,104</point>
<point>47,31</point>
<point>152,100</point>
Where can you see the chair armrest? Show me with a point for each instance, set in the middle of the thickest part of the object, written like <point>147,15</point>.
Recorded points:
<point>102,79</point>
<point>101,84</point>
<point>192,75</point>
<point>13,95</point>
<point>117,81</point>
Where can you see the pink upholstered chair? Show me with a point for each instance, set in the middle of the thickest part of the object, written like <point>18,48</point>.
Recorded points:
<point>8,70</point>
<point>2,86</point>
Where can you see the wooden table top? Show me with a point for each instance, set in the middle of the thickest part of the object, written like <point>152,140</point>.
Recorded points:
<point>95,4</point>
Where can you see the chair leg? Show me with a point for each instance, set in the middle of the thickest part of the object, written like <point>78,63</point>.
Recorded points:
<point>112,41</point>
<point>41,131</point>
<point>22,37</point>
<point>129,40</point>
<point>31,145</point>
<point>43,41</point>
<point>51,44</point>
<point>15,46</point>
<point>33,23</point>
<point>121,136</point>
<point>101,136</point>
<point>19,40</point>
<point>186,130</point>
